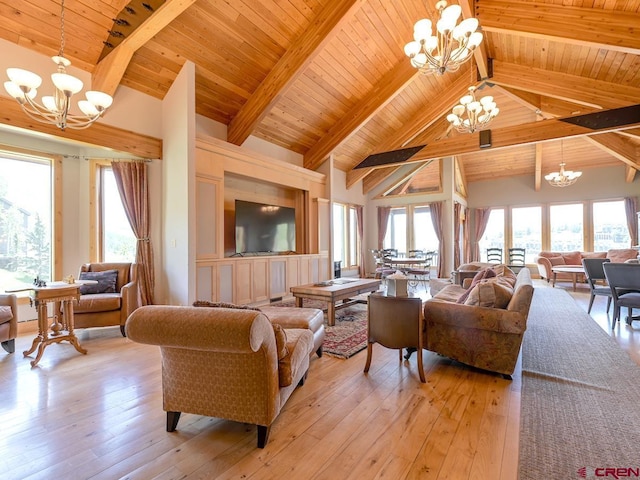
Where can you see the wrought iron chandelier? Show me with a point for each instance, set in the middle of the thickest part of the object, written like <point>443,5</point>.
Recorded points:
<point>478,112</point>
<point>23,85</point>
<point>563,178</point>
<point>449,47</point>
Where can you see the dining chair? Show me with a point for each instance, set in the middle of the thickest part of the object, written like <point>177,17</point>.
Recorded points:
<point>494,255</point>
<point>597,280</point>
<point>624,282</point>
<point>516,256</point>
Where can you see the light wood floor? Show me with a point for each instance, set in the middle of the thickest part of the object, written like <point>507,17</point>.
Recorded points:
<point>100,416</point>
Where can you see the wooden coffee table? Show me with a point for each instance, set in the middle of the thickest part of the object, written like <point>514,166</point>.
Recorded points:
<point>573,270</point>
<point>338,290</point>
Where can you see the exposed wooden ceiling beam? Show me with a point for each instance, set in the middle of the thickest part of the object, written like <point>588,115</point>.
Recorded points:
<point>377,177</point>
<point>630,174</point>
<point>624,149</point>
<point>99,134</point>
<point>405,179</point>
<point>538,168</point>
<point>632,132</point>
<point>387,88</point>
<point>480,53</point>
<point>460,177</point>
<point>109,72</point>
<point>571,88</point>
<point>507,137</point>
<point>290,66</point>
<point>593,27</point>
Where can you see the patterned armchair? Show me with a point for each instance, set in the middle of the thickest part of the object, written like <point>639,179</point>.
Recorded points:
<point>222,362</point>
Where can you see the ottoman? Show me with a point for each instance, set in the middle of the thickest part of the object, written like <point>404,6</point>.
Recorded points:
<point>294,317</point>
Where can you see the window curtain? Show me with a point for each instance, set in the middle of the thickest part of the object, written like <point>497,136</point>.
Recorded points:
<point>457,208</point>
<point>383,220</point>
<point>131,178</point>
<point>482,219</point>
<point>466,245</point>
<point>360,229</point>
<point>630,209</point>
<point>436,220</point>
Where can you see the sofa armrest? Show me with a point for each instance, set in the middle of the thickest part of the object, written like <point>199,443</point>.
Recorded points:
<point>130,300</point>
<point>437,312</point>
<point>544,267</point>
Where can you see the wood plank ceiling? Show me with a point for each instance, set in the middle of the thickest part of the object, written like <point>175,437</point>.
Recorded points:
<point>329,77</point>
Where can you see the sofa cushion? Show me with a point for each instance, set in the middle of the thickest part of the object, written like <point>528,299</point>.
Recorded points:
<point>6,314</point>
<point>481,275</point>
<point>594,254</point>
<point>621,255</point>
<point>490,293</point>
<point>98,302</point>
<point>106,282</point>
<point>507,275</point>
<point>572,258</point>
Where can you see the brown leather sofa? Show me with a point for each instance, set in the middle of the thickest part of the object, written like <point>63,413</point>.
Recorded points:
<point>227,363</point>
<point>108,309</point>
<point>487,330</point>
<point>8,322</point>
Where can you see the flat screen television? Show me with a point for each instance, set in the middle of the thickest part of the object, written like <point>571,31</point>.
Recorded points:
<point>262,228</point>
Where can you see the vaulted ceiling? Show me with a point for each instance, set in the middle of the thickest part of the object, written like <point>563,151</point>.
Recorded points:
<point>329,77</point>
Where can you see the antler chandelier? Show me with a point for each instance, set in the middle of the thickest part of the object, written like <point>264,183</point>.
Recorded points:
<point>449,47</point>
<point>23,85</point>
<point>478,113</point>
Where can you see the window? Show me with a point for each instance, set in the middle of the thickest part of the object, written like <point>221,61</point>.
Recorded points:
<point>424,236</point>
<point>396,236</point>
<point>567,231</point>
<point>26,221</point>
<point>610,226</point>
<point>117,240</point>
<point>526,230</point>
<point>346,244</point>
<point>494,234</point>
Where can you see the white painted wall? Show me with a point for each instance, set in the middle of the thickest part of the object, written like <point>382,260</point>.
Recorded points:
<point>177,286</point>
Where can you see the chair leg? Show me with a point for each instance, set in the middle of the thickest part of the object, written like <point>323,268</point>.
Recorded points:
<point>122,331</point>
<point>319,352</point>
<point>421,367</point>
<point>369,352</point>
<point>172,421</point>
<point>591,303</point>
<point>9,345</point>
<point>608,304</point>
<point>263,435</point>
<point>303,379</point>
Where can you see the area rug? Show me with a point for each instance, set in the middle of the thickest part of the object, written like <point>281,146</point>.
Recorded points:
<point>348,336</point>
<point>580,391</point>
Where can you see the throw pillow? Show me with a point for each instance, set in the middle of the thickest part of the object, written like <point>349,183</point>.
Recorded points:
<point>556,261</point>
<point>106,282</point>
<point>5,314</point>
<point>490,293</point>
<point>572,258</point>
<point>281,341</point>
<point>481,275</point>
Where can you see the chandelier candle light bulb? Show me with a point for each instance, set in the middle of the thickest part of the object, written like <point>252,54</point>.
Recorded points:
<point>434,52</point>
<point>563,178</point>
<point>23,85</point>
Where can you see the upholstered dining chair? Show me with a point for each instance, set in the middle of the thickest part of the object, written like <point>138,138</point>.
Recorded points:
<point>624,282</point>
<point>596,279</point>
<point>395,322</point>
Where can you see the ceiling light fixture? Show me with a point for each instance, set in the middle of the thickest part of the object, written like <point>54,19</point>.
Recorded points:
<point>478,113</point>
<point>23,85</point>
<point>563,178</point>
<point>451,45</point>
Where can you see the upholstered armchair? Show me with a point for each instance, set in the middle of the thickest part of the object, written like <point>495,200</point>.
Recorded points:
<point>8,322</point>
<point>223,362</point>
<point>110,302</point>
